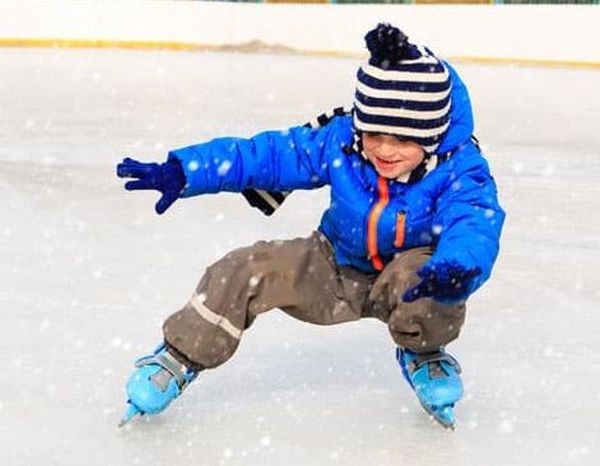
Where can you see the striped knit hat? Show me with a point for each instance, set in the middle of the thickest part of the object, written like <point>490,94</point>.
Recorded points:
<point>403,90</point>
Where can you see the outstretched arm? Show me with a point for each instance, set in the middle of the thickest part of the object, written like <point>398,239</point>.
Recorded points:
<point>272,160</point>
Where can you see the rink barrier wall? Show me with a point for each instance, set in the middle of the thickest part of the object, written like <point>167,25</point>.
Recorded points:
<point>255,47</point>
<point>486,34</point>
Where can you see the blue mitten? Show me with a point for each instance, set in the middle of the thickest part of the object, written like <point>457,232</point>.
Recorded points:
<point>447,282</point>
<point>167,177</point>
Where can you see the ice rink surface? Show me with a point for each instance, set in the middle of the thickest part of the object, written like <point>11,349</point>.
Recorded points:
<point>89,272</point>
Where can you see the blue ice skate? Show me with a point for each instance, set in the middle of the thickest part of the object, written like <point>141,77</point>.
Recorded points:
<point>435,379</point>
<point>158,380</point>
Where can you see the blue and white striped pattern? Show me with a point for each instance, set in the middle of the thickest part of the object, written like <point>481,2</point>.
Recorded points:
<point>410,99</point>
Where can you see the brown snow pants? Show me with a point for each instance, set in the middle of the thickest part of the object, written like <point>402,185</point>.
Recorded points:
<point>300,277</point>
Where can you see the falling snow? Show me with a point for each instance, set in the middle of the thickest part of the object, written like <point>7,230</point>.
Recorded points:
<point>89,273</point>
<point>224,168</point>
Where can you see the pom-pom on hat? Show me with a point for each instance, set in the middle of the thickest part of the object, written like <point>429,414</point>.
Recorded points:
<point>403,90</point>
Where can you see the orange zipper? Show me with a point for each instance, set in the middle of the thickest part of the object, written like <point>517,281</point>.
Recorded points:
<point>400,229</point>
<point>384,198</point>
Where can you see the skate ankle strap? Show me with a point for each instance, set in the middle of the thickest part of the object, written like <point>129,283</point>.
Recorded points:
<point>168,363</point>
<point>438,356</point>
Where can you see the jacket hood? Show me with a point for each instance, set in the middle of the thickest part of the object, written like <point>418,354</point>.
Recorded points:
<point>461,116</point>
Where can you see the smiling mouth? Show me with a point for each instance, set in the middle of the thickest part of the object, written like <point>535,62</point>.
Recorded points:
<point>386,163</point>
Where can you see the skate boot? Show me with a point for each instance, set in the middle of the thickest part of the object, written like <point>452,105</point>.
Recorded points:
<point>158,380</point>
<point>436,381</point>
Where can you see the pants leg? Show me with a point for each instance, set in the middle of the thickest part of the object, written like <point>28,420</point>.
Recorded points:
<point>298,276</point>
<point>423,325</point>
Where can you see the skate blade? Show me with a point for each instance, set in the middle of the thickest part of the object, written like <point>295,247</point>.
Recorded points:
<point>443,416</point>
<point>130,413</point>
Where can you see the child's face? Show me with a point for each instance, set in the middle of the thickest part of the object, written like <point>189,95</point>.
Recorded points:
<point>390,156</point>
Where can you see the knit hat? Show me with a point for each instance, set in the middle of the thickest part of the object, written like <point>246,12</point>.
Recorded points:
<point>402,90</point>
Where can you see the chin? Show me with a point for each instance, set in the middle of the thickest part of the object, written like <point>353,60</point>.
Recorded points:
<point>389,173</point>
<point>391,176</point>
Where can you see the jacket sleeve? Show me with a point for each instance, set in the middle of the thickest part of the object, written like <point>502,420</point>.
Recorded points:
<point>468,217</point>
<point>273,160</point>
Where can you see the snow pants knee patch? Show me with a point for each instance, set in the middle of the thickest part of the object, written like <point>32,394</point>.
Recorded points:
<point>426,325</point>
<point>423,325</point>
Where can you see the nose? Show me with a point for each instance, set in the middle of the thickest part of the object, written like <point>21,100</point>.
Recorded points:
<point>387,148</point>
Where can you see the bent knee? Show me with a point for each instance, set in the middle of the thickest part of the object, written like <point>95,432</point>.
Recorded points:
<point>426,325</point>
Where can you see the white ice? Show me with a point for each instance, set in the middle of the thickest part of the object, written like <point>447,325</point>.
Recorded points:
<point>89,272</point>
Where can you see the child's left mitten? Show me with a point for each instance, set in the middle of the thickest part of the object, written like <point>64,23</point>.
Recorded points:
<point>447,282</point>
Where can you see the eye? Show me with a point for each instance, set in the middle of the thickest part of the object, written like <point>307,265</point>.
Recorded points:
<point>375,137</point>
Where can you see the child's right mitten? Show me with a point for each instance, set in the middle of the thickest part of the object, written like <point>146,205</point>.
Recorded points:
<point>167,177</point>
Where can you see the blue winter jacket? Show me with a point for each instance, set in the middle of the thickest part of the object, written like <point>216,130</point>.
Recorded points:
<point>454,208</point>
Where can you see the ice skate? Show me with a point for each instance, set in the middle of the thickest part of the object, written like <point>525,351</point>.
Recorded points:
<point>436,381</point>
<point>158,380</point>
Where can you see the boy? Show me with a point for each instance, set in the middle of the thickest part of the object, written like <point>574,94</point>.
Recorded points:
<point>412,229</point>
